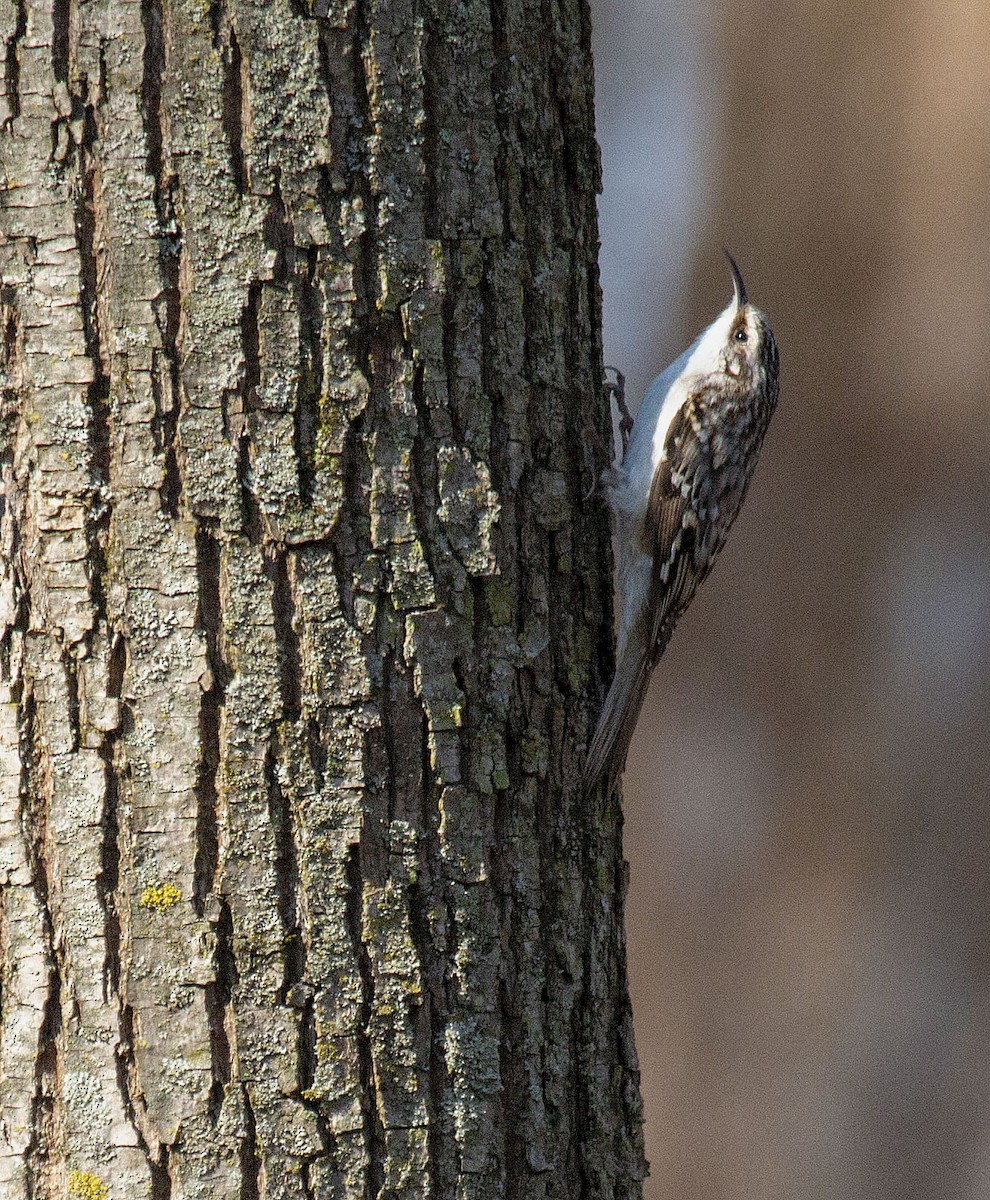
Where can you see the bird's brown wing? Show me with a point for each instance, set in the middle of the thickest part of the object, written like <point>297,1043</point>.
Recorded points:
<point>677,501</point>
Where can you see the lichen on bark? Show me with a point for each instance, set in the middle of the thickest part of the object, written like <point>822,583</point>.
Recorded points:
<point>303,607</point>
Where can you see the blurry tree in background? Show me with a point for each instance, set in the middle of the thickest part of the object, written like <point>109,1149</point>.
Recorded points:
<point>304,608</point>
<point>807,818</point>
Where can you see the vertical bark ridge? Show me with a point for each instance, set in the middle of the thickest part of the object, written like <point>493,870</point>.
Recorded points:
<point>62,446</point>
<point>29,980</point>
<point>167,944</point>
<point>40,1152</point>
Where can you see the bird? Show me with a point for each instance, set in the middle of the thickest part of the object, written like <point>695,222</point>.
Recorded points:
<point>686,465</point>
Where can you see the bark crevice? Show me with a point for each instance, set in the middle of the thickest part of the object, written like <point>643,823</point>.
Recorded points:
<point>218,997</point>
<point>309,391</point>
<point>213,689</point>
<point>374,1134</point>
<point>12,65</point>
<point>250,381</point>
<point>61,38</point>
<point>166,378</point>
<point>252,1168</point>
<point>233,113</point>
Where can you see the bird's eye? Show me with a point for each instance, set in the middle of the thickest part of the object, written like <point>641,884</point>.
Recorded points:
<point>742,335</point>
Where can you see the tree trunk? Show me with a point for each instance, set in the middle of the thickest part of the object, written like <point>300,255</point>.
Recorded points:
<point>304,612</point>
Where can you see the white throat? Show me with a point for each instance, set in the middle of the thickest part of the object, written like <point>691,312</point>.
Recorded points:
<point>663,399</point>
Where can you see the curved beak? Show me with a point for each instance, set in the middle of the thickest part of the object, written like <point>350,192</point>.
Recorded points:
<point>737,280</point>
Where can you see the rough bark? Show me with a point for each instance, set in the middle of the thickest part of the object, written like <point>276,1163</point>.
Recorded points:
<point>304,613</point>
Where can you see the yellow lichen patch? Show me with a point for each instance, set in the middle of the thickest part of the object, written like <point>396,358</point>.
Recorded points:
<point>160,898</point>
<point>84,1185</point>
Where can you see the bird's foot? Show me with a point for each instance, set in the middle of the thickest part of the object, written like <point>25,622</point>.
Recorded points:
<point>615,389</point>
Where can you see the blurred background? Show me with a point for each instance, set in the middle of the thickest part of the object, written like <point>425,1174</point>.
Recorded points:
<point>808,820</point>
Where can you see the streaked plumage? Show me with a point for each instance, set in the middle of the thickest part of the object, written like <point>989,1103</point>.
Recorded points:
<point>681,483</point>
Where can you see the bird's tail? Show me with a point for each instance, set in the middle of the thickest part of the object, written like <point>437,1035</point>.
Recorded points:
<point>609,746</point>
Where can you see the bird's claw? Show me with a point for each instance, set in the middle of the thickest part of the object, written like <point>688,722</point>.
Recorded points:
<point>615,389</point>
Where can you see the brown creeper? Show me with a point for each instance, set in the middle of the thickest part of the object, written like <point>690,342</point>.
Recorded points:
<point>681,484</point>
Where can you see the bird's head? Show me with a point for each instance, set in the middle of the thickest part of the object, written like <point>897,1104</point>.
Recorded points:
<point>744,343</point>
<point>737,350</point>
